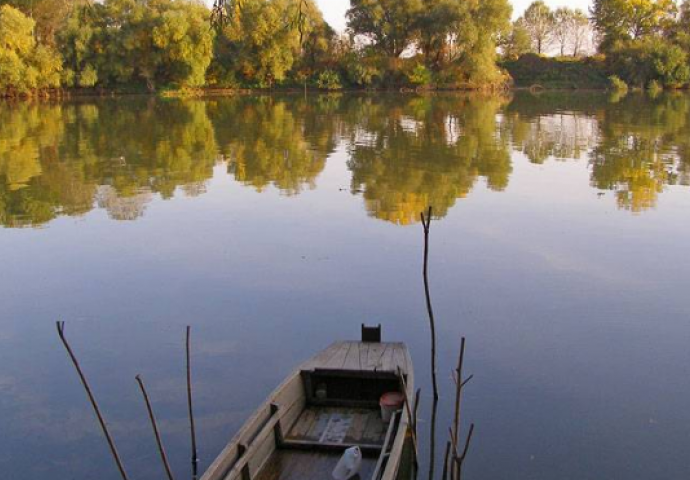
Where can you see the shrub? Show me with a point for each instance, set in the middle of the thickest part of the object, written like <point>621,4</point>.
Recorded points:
<point>24,66</point>
<point>617,84</point>
<point>329,80</point>
<point>88,77</point>
<point>67,77</point>
<point>419,75</point>
<point>638,62</point>
<point>654,87</point>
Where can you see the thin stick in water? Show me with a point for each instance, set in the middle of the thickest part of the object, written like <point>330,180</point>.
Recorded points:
<point>432,438</point>
<point>458,391</point>
<point>461,459</point>
<point>94,404</point>
<point>154,425</point>
<point>195,459</point>
<point>426,223</point>
<point>445,461</point>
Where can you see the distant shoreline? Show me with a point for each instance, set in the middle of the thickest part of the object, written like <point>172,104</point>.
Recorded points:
<point>68,94</point>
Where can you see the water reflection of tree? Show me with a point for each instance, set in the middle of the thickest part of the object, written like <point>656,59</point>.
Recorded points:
<point>280,142</point>
<point>35,185</point>
<point>552,126</point>
<point>405,153</point>
<point>644,146</point>
<point>636,146</point>
<point>425,151</point>
<point>53,158</point>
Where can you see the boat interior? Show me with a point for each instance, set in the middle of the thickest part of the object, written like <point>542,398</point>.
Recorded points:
<point>320,410</point>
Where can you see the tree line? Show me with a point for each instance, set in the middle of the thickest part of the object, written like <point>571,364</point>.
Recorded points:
<point>154,45</point>
<point>170,44</point>
<point>640,43</point>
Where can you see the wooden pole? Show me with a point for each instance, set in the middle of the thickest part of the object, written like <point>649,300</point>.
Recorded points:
<point>461,459</point>
<point>92,399</point>
<point>432,439</point>
<point>458,391</point>
<point>426,223</point>
<point>445,462</point>
<point>195,459</point>
<point>154,425</point>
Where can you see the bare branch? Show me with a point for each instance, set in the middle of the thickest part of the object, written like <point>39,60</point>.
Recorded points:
<point>154,425</point>
<point>426,224</point>
<point>92,399</point>
<point>195,459</point>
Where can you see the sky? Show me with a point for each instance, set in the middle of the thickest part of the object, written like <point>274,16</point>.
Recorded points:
<point>334,10</point>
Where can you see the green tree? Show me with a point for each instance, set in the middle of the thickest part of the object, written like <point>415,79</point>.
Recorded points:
<point>391,25</point>
<point>620,20</point>
<point>150,42</point>
<point>580,32</point>
<point>460,38</point>
<point>439,23</point>
<point>49,15</point>
<point>639,62</point>
<point>263,43</point>
<point>516,42</point>
<point>539,21</point>
<point>25,67</point>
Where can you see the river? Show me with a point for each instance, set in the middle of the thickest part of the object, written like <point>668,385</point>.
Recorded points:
<point>274,225</point>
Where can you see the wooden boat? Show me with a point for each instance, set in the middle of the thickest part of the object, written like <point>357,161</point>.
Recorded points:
<point>328,404</point>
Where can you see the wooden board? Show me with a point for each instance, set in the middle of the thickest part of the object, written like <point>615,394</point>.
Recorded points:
<point>361,357</point>
<point>364,426</point>
<point>299,465</point>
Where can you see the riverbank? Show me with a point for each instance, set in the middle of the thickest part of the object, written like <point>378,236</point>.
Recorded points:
<point>558,73</point>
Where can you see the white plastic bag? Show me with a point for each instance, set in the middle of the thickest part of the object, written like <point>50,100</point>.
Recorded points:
<point>349,464</point>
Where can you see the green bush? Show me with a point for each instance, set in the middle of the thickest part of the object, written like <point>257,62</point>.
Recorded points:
<point>638,62</point>
<point>419,75</point>
<point>654,87</point>
<point>25,67</point>
<point>618,85</point>
<point>88,77</point>
<point>329,80</point>
<point>565,72</point>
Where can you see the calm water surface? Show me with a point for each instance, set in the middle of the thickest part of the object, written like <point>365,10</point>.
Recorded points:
<point>276,225</point>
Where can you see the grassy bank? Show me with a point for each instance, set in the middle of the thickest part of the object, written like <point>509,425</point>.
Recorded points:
<point>557,73</point>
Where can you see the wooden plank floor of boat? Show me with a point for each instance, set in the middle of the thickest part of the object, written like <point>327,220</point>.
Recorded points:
<point>360,356</point>
<point>350,425</point>
<point>300,465</point>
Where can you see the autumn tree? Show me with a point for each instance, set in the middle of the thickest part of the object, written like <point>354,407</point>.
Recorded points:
<point>538,19</point>
<point>49,15</point>
<point>263,41</point>
<point>391,25</point>
<point>25,66</point>
<point>621,20</point>
<point>580,32</point>
<point>151,42</point>
<point>515,42</point>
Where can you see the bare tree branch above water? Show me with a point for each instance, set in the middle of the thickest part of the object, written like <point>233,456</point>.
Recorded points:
<point>92,399</point>
<point>426,224</point>
<point>154,425</point>
<point>195,458</point>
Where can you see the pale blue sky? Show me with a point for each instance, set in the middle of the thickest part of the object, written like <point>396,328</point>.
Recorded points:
<point>334,10</point>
